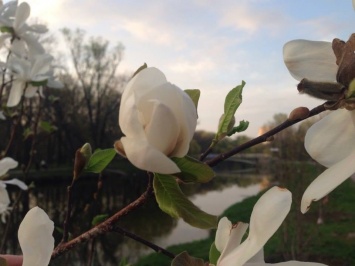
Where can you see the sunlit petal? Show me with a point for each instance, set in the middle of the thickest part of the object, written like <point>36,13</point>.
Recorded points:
<point>22,14</point>
<point>328,181</point>
<point>30,91</point>
<point>236,235</point>
<point>41,65</point>
<point>162,130</point>
<point>314,60</point>
<point>144,156</point>
<point>267,216</point>
<point>332,138</point>
<point>6,164</point>
<point>15,93</point>
<point>143,82</point>
<point>35,237</point>
<point>222,234</point>
<point>16,182</point>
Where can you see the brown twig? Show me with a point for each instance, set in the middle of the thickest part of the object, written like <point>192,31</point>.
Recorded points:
<point>144,242</point>
<point>263,138</point>
<point>106,226</point>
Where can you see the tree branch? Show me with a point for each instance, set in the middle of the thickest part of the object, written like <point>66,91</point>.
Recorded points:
<point>106,226</point>
<point>263,138</point>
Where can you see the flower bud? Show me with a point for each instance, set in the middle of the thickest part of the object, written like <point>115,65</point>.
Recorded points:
<point>299,113</point>
<point>82,156</point>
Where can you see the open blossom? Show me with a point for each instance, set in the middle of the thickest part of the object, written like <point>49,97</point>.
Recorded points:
<point>35,237</point>
<point>25,71</point>
<point>6,164</point>
<point>267,216</point>
<point>14,17</point>
<point>330,141</point>
<point>158,120</point>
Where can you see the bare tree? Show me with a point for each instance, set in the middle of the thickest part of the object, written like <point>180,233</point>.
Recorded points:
<point>95,65</point>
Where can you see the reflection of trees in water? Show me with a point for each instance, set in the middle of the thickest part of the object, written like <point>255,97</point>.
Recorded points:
<point>222,181</point>
<point>117,191</point>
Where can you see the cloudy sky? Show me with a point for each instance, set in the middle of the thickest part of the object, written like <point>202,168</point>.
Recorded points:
<point>211,45</point>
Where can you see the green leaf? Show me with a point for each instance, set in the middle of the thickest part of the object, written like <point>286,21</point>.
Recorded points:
<point>46,127</point>
<point>193,170</point>
<point>172,201</point>
<point>231,104</point>
<point>5,29</point>
<point>243,125</point>
<point>3,262</point>
<point>99,219</point>
<point>214,254</point>
<point>99,160</point>
<point>194,95</point>
<point>140,69</point>
<point>184,259</point>
<point>351,90</point>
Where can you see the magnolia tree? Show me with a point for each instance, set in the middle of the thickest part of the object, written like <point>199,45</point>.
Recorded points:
<point>158,120</point>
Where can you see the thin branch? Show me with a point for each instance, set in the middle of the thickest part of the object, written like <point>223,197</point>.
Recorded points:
<point>106,226</point>
<point>263,138</point>
<point>144,242</point>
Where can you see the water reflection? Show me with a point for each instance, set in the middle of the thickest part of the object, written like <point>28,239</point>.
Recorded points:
<point>115,192</point>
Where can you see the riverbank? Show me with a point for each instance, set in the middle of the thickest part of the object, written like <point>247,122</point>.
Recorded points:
<point>326,234</point>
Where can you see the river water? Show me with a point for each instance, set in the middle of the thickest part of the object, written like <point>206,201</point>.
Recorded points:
<point>148,222</point>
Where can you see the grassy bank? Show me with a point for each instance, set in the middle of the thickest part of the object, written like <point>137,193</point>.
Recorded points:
<point>331,242</point>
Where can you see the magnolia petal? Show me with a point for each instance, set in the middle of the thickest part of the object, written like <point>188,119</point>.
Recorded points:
<point>267,216</point>
<point>41,65</point>
<point>144,156</point>
<point>55,84</point>
<point>257,258</point>
<point>2,116</point>
<point>15,93</point>
<point>222,234</point>
<point>141,83</point>
<point>354,4</point>
<point>129,119</point>
<point>236,235</point>
<point>16,182</point>
<point>4,200</point>
<point>331,139</point>
<point>18,47</point>
<point>184,110</point>
<point>30,91</point>
<point>6,164</point>
<point>34,46</point>
<point>35,237</point>
<point>287,263</point>
<point>314,60</point>
<point>328,181</point>
<point>162,130</point>
<point>21,15</point>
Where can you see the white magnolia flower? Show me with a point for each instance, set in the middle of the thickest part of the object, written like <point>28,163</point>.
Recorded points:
<point>330,141</point>
<point>6,164</point>
<point>15,17</point>
<point>24,71</point>
<point>267,216</point>
<point>158,120</point>
<point>35,237</point>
